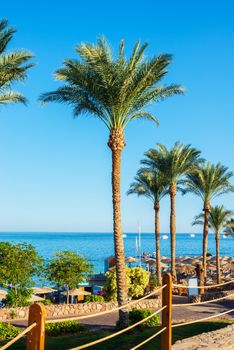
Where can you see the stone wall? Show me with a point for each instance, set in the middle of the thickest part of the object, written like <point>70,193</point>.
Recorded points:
<point>54,311</point>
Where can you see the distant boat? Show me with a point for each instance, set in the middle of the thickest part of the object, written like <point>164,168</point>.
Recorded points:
<point>124,236</point>
<point>192,235</point>
<point>224,236</point>
<point>164,237</point>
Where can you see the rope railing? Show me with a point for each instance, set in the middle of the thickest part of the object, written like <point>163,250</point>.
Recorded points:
<point>202,319</point>
<point>19,336</point>
<point>37,319</point>
<point>203,287</point>
<point>149,339</point>
<point>77,318</point>
<point>204,302</point>
<point>119,332</point>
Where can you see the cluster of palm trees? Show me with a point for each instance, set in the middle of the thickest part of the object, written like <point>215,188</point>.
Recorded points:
<point>166,171</point>
<point>118,90</point>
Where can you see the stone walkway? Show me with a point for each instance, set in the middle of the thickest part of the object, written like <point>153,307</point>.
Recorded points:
<point>223,339</point>
<point>180,314</point>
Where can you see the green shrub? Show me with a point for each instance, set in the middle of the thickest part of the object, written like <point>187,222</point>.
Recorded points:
<point>93,297</point>
<point>18,297</point>
<point>153,282</point>
<point>139,314</point>
<point>8,331</point>
<point>61,328</point>
<point>46,302</point>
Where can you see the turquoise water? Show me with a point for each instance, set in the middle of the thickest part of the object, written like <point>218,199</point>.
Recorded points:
<point>97,246</point>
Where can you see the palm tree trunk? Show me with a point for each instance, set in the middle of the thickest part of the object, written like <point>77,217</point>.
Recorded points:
<point>173,229</point>
<point>68,301</point>
<point>157,241</point>
<point>116,143</point>
<point>205,236</point>
<point>217,257</point>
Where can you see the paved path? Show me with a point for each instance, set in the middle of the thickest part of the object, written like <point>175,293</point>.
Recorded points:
<point>223,339</point>
<point>180,314</point>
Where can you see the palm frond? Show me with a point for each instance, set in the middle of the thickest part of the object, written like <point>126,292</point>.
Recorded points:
<point>175,163</point>
<point>14,66</point>
<point>11,97</point>
<point>149,183</point>
<point>6,34</point>
<point>121,87</point>
<point>217,220</point>
<point>209,181</point>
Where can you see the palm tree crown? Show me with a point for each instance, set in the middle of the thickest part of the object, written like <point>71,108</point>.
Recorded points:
<point>13,66</point>
<point>114,90</point>
<point>149,183</point>
<point>218,218</point>
<point>175,162</point>
<point>209,181</point>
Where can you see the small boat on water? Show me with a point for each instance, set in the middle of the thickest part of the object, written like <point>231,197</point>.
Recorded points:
<point>192,235</point>
<point>224,236</point>
<point>124,236</point>
<point>164,237</point>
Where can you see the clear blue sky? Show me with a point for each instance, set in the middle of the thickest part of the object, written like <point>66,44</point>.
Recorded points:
<point>55,171</point>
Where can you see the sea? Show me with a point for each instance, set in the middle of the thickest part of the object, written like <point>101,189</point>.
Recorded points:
<point>97,246</point>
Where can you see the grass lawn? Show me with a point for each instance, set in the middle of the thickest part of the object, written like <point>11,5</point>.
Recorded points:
<point>125,341</point>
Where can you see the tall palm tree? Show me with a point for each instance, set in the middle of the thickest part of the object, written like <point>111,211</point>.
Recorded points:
<point>153,185</point>
<point>174,163</point>
<point>208,181</point>
<point>13,66</point>
<point>217,220</point>
<point>115,90</point>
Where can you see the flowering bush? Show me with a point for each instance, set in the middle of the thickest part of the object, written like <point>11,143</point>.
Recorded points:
<point>137,281</point>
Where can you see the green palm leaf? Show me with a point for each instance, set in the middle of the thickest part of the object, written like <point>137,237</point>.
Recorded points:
<point>14,66</point>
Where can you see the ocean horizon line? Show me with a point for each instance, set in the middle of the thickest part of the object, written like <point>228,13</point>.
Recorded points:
<point>94,232</point>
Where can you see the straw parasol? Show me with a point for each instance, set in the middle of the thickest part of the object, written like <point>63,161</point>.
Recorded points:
<point>77,292</point>
<point>43,290</point>
<point>189,261</point>
<point>35,298</point>
<point>130,259</point>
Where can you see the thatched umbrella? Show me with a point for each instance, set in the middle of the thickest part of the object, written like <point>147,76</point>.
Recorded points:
<point>130,259</point>
<point>35,298</point>
<point>43,290</point>
<point>190,261</point>
<point>77,292</point>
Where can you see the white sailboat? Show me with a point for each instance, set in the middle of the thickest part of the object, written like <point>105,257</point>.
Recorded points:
<point>164,236</point>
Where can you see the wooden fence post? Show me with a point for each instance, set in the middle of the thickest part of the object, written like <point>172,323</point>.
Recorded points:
<point>166,336</point>
<point>36,337</point>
